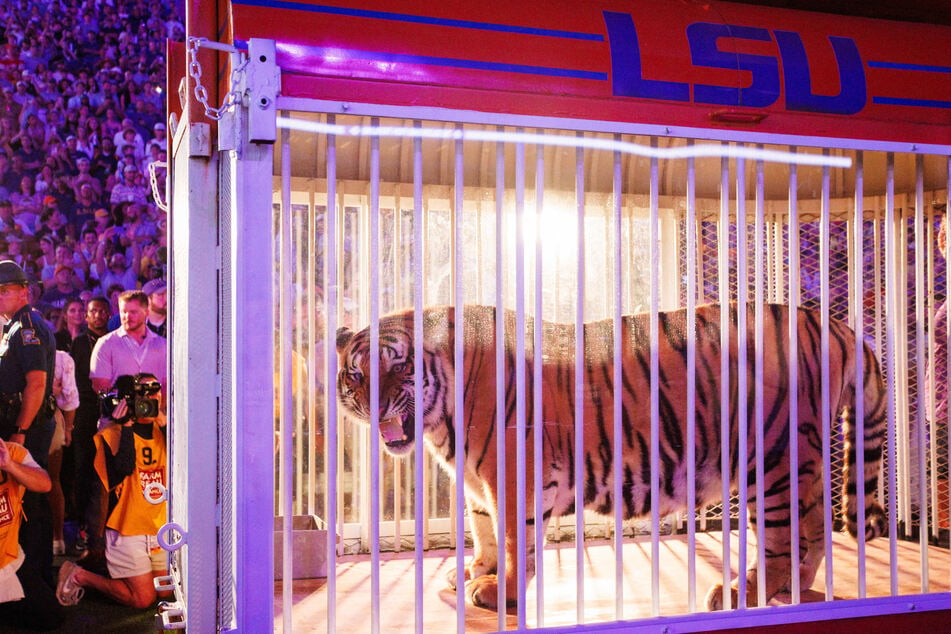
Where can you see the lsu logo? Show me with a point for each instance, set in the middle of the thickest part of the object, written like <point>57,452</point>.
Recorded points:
<point>6,509</point>
<point>766,87</point>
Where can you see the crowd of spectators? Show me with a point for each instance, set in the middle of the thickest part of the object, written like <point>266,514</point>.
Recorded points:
<point>82,136</point>
<point>82,117</point>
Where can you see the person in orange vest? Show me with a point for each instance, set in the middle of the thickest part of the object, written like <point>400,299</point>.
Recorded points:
<point>25,599</point>
<point>130,456</point>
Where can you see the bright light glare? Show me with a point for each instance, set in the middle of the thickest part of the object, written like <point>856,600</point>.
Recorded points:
<point>682,152</point>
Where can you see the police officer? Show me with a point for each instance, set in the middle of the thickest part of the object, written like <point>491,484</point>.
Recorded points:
<point>27,361</point>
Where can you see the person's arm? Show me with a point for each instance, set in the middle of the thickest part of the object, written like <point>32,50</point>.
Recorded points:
<point>31,402</point>
<point>32,476</point>
<point>120,465</point>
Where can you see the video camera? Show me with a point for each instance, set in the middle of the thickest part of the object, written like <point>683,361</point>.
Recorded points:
<point>137,391</point>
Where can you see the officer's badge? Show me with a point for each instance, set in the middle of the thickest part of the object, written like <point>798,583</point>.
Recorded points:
<point>29,337</point>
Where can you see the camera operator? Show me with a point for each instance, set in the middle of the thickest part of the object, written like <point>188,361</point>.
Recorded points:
<point>27,363</point>
<point>130,349</point>
<point>130,454</point>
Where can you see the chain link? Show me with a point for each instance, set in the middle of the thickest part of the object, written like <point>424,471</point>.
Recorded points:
<point>233,97</point>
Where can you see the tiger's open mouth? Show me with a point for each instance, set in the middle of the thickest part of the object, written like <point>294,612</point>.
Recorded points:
<point>398,433</point>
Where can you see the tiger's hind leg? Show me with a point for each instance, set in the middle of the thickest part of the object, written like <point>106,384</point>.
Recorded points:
<point>811,534</point>
<point>484,545</point>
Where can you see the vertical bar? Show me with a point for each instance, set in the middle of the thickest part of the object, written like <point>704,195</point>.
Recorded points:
<point>742,449</point>
<point>579,386</point>
<point>920,336</point>
<point>418,360</point>
<point>285,373</point>
<point>891,291</point>
<point>313,334</point>
<point>459,384</point>
<point>520,406</point>
<point>794,289</point>
<point>723,270</point>
<point>655,382</point>
<point>947,337</point>
<point>538,435</point>
<point>332,421</point>
<point>394,282</point>
<point>617,377</point>
<point>691,423</point>
<point>759,414</point>
<point>374,303</point>
<point>858,268</point>
<point>500,413</point>
<point>825,410</point>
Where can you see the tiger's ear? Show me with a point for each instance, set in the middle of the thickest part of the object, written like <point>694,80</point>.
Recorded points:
<point>344,335</point>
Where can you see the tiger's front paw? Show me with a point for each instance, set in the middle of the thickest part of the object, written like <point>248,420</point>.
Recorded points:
<point>483,592</point>
<point>714,600</point>
<point>474,569</point>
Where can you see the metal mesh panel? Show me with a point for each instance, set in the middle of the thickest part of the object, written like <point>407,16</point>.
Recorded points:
<point>226,492</point>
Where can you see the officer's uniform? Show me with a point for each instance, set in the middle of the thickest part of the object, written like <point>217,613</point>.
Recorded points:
<point>28,344</point>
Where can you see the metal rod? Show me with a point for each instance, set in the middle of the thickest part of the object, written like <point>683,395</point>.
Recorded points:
<point>418,396</point>
<point>723,270</point>
<point>374,303</point>
<point>617,378</point>
<point>459,386</point>
<point>655,382</point>
<point>332,421</point>
<point>500,413</point>
<point>691,229</point>
<point>538,435</point>
<point>825,398</point>
<point>858,312</point>
<point>794,298</point>
<point>579,385</point>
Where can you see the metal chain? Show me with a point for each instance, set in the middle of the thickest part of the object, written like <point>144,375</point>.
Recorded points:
<point>201,93</point>
<point>153,181</point>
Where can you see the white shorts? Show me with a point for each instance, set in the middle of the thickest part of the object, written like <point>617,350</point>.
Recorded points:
<point>133,555</point>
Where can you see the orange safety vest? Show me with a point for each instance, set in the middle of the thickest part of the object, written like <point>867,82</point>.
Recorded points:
<point>11,508</point>
<point>133,514</point>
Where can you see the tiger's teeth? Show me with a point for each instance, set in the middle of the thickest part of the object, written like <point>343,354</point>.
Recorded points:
<point>392,429</point>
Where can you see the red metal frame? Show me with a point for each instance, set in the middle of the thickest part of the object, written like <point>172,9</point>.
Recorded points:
<point>767,70</point>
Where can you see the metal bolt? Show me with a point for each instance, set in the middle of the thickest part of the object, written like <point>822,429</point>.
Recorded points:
<point>264,103</point>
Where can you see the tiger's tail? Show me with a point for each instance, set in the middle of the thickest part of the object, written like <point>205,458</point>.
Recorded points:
<point>870,441</point>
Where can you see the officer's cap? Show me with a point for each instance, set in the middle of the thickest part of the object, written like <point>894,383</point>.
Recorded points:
<point>11,273</point>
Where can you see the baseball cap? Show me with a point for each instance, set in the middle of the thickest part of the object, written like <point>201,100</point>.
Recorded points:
<point>101,213</point>
<point>49,200</point>
<point>154,286</point>
<point>11,273</point>
<point>158,126</point>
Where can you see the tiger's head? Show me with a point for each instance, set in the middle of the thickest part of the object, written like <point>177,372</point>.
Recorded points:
<point>397,402</point>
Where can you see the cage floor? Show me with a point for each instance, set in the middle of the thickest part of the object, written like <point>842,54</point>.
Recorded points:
<point>397,597</point>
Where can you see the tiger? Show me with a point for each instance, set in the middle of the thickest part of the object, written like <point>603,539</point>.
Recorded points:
<point>481,425</point>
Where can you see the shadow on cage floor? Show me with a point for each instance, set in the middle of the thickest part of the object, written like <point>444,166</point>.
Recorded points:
<point>398,595</point>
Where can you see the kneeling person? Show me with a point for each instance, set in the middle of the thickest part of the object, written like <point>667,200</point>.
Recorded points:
<point>130,455</point>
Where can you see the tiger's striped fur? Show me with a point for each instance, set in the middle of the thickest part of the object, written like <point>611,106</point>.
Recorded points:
<point>558,471</point>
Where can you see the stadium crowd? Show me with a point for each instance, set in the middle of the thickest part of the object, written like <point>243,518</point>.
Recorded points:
<point>82,136</point>
<point>82,117</point>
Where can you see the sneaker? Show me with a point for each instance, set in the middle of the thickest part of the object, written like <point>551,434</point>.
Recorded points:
<point>59,547</point>
<point>68,592</point>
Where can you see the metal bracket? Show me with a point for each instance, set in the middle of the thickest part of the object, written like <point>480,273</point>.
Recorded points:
<point>171,614</point>
<point>262,85</point>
